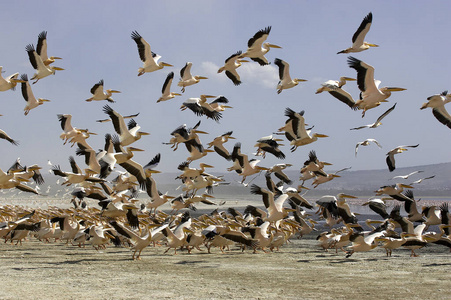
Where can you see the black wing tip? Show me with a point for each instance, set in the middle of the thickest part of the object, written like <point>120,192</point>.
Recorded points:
<point>135,35</point>
<point>29,48</point>
<point>43,35</point>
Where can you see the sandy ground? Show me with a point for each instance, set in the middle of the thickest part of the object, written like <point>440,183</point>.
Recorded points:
<point>300,270</point>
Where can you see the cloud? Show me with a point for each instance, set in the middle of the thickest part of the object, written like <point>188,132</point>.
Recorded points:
<point>265,76</point>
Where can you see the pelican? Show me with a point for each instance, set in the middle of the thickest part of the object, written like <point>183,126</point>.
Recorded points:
<point>437,103</point>
<point>218,144</point>
<point>5,136</point>
<point>271,145</point>
<point>201,107</point>
<point>27,94</point>
<point>127,134</point>
<point>277,169</point>
<point>378,121</point>
<point>371,96</point>
<point>358,43</point>
<point>41,49</point>
<point>166,90</point>
<point>366,143</point>
<point>274,207</point>
<point>284,75</point>
<point>360,243</point>
<point>334,88</point>
<point>183,134</point>
<point>36,61</point>
<point>314,165</point>
<point>69,133</point>
<point>408,175</point>
<point>186,78</point>
<point>98,94</point>
<point>391,155</point>
<point>257,49</point>
<point>8,83</point>
<point>391,243</point>
<point>395,191</point>
<point>149,58</point>
<point>76,176</point>
<point>323,179</point>
<point>421,179</point>
<point>242,165</point>
<point>231,64</point>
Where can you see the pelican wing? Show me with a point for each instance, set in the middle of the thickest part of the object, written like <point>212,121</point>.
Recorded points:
<point>143,47</point>
<point>41,47</point>
<point>442,115</point>
<point>359,35</point>
<point>257,40</point>
<point>365,75</point>
<point>343,96</point>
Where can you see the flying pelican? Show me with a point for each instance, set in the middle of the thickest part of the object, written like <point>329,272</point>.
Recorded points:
<point>378,121</point>
<point>366,143</point>
<point>5,136</point>
<point>27,94</point>
<point>8,83</point>
<point>218,144</point>
<point>149,58</point>
<point>186,78</point>
<point>201,107</point>
<point>358,43</point>
<point>242,165</point>
<point>314,165</point>
<point>41,49</point>
<point>330,176</point>
<point>257,49</point>
<point>371,95</point>
<point>127,134</point>
<point>36,61</point>
<point>437,103</point>
<point>391,155</point>
<point>284,75</point>
<point>231,64</point>
<point>274,206</point>
<point>98,93</point>
<point>408,175</point>
<point>395,191</point>
<point>71,134</point>
<point>183,134</point>
<point>334,88</point>
<point>166,90</point>
<point>277,169</point>
<point>271,145</point>
<point>76,176</point>
<point>421,180</point>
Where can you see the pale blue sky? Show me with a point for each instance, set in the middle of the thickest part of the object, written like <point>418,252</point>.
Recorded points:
<point>93,38</point>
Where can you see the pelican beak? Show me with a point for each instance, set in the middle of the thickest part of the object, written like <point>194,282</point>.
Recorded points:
<point>262,168</point>
<point>326,163</point>
<point>300,187</point>
<point>227,106</point>
<point>201,77</point>
<point>349,196</point>
<point>152,171</point>
<point>373,45</point>
<point>55,57</point>
<point>242,60</point>
<point>274,46</point>
<point>321,135</point>
<point>207,166</point>
<point>232,138</point>
<point>425,105</point>
<point>176,94</point>
<point>349,79</point>
<point>407,186</point>
<point>114,91</point>
<point>199,131</point>
<point>144,133</point>
<point>166,64</point>
<point>335,175</point>
<point>57,68</point>
<point>135,149</point>
<point>44,100</point>
<point>395,89</point>
<point>17,80</point>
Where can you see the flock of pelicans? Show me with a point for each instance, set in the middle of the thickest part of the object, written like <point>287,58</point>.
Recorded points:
<point>121,218</point>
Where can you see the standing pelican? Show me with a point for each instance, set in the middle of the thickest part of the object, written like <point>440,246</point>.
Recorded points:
<point>378,121</point>
<point>334,88</point>
<point>231,64</point>
<point>149,58</point>
<point>127,134</point>
<point>186,78</point>
<point>98,94</point>
<point>36,61</point>
<point>371,96</point>
<point>257,49</point>
<point>166,90</point>
<point>41,49</point>
<point>366,143</point>
<point>437,103</point>
<point>27,94</point>
<point>284,75</point>
<point>8,83</point>
<point>358,43</point>
<point>391,155</point>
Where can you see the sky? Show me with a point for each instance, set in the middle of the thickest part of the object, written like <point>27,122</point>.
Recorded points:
<point>93,38</point>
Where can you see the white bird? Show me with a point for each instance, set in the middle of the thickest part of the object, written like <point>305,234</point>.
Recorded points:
<point>366,143</point>
<point>391,155</point>
<point>437,103</point>
<point>98,94</point>
<point>333,87</point>
<point>231,64</point>
<point>358,43</point>
<point>186,78</point>
<point>149,58</point>
<point>127,134</point>
<point>27,94</point>
<point>257,49</point>
<point>41,49</point>
<point>378,121</point>
<point>421,180</point>
<point>371,96</point>
<point>166,90</point>
<point>284,75</point>
<point>408,175</point>
<point>201,107</point>
<point>5,136</point>
<point>36,61</point>
<point>8,83</point>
